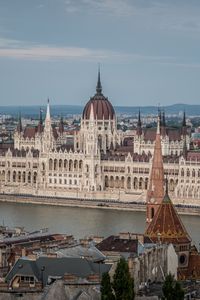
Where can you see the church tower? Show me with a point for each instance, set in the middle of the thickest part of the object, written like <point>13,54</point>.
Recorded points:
<point>155,192</point>
<point>167,227</point>
<point>91,142</point>
<point>92,156</point>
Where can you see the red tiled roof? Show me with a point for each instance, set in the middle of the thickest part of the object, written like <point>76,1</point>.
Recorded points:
<point>174,134</point>
<point>101,106</point>
<point>55,133</point>
<point>167,225</point>
<point>29,132</point>
<point>193,155</point>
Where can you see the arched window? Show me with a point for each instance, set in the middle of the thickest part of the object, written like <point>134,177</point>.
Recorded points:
<point>60,164</point>
<point>50,164</point>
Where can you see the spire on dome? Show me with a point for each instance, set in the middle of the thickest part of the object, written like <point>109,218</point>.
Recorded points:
<point>99,86</point>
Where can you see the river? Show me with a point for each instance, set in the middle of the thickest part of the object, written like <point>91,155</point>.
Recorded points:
<point>82,222</point>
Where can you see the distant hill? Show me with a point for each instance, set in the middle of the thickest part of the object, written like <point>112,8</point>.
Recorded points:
<point>56,110</point>
<point>191,110</point>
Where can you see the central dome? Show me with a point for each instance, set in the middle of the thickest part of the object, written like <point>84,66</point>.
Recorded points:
<point>102,107</point>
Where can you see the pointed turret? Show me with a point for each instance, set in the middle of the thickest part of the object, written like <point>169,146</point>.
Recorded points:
<point>184,120</point>
<point>185,148</point>
<point>40,120</point>
<point>166,226</point>
<point>61,125</point>
<point>160,116</point>
<point>99,86</point>
<point>19,125</point>
<point>163,125</point>
<point>40,123</point>
<point>139,124</point>
<point>184,126</point>
<point>48,116</point>
<point>48,135</point>
<point>155,192</point>
<point>92,113</point>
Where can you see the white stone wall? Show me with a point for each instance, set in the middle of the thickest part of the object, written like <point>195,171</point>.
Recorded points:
<point>168,147</point>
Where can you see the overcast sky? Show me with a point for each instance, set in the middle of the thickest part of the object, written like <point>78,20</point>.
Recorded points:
<point>149,51</point>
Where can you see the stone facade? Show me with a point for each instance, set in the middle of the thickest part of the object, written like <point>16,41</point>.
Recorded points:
<point>100,164</point>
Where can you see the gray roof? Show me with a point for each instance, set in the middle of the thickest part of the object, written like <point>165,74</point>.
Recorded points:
<point>27,237</point>
<point>90,252</point>
<point>56,267</point>
<point>59,291</point>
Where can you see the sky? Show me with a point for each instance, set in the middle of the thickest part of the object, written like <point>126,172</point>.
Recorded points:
<point>148,51</point>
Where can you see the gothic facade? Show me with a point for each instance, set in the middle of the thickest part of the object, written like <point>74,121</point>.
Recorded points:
<point>100,165</point>
<point>173,140</point>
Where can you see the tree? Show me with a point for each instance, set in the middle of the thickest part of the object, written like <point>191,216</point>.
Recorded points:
<point>172,289</point>
<point>123,284</point>
<point>106,288</point>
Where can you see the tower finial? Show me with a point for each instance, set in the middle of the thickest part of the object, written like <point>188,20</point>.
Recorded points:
<point>99,87</point>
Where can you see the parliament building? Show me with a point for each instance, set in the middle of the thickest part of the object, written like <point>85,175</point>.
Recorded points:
<point>103,162</point>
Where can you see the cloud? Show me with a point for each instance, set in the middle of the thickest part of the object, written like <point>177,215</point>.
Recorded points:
<point>15,49</point>
<point>155,14</point>
<point>10,43</point>
<point>56,53</point>
<point>21,50</point>
<point>111,7</point>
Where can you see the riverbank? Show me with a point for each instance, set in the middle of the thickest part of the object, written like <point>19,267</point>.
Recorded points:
<point>90,203</point>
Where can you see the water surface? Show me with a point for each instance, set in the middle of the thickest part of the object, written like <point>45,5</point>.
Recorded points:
<point>82,221</point>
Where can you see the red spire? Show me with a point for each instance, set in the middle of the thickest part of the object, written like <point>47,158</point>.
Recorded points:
<point>166,225</point>
<point>155,192</point>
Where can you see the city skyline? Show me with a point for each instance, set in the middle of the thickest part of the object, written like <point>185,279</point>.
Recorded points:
<point>148,52</point>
